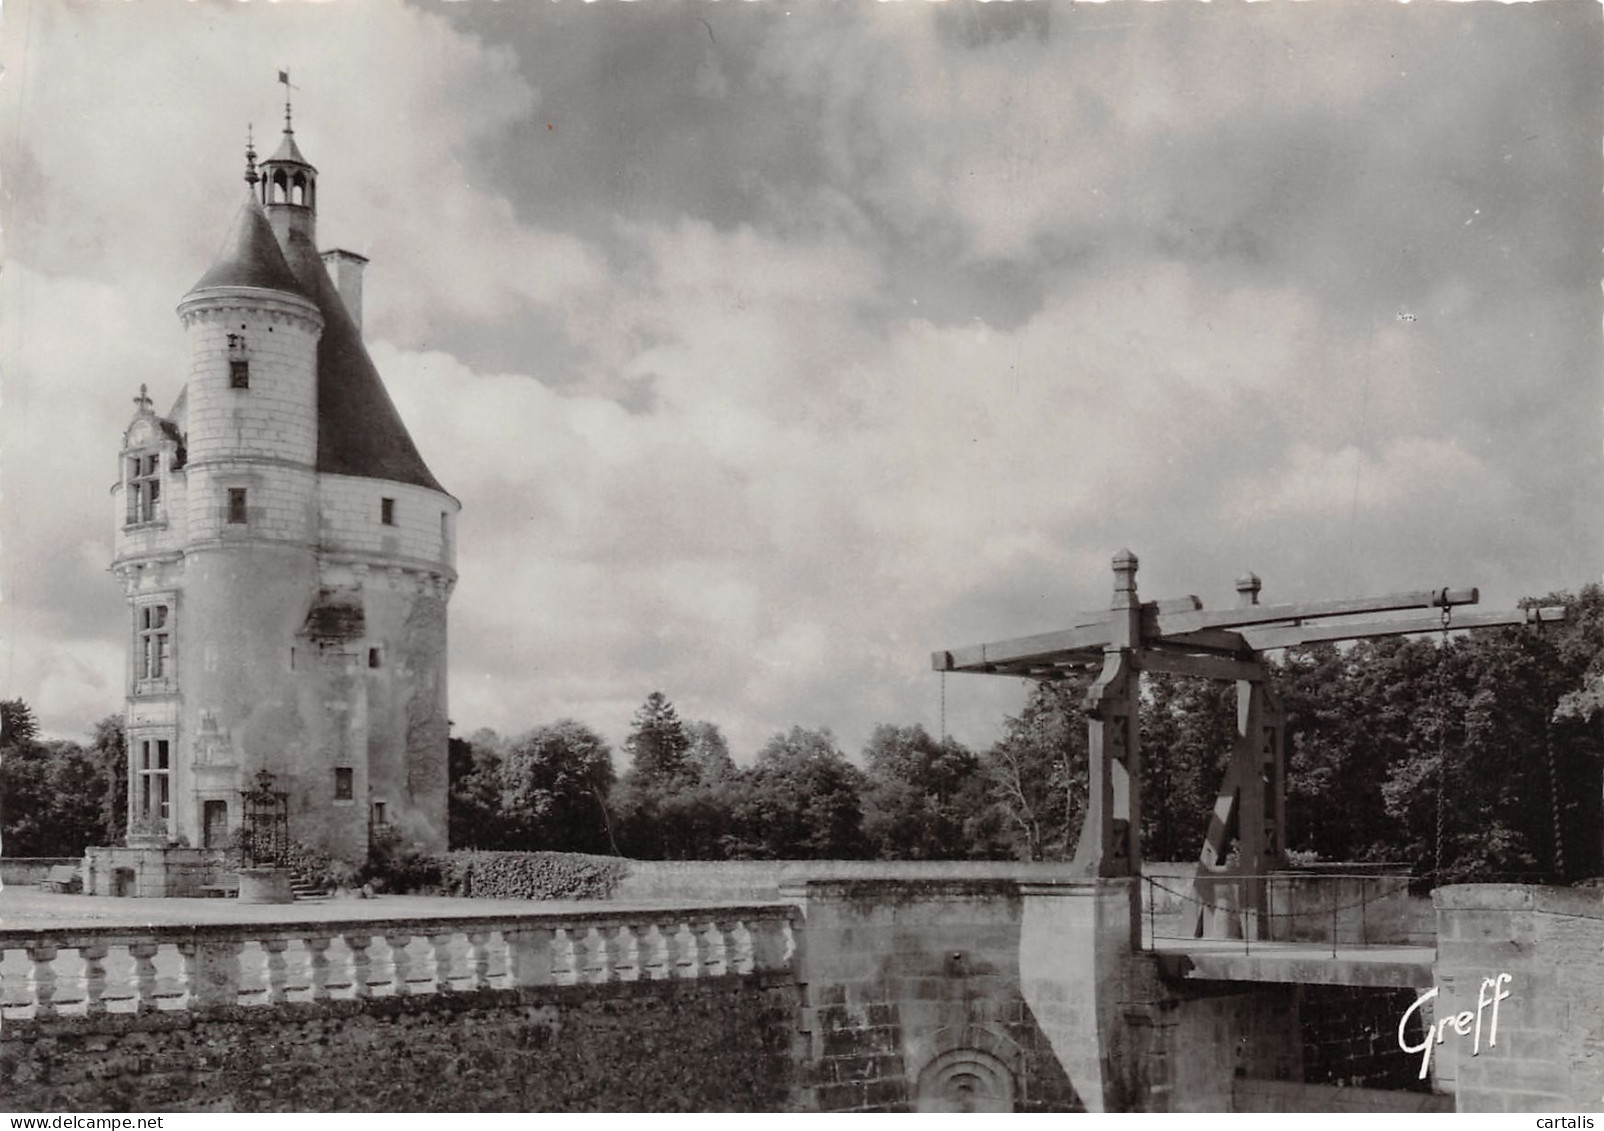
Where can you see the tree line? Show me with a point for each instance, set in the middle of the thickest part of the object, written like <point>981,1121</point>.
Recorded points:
<point>1475,757</point>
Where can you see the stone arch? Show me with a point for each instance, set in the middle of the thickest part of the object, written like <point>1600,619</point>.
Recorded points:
<point>967,1068</point>
<point>965,1080</point>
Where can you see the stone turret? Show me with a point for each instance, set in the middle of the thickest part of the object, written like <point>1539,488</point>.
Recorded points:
<point>287,557</point>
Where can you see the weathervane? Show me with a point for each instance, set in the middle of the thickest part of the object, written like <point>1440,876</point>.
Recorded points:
<point>284,77</point>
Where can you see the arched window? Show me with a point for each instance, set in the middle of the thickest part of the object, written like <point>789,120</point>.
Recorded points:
<point>281,190</point>
<point>298,191</point>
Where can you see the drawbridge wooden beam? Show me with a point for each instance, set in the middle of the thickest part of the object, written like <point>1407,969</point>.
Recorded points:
<point>1185,624</point>
<point>1291,636</point>
<point>1250,615</point>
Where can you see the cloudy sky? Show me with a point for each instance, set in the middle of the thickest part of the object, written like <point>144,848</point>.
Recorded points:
<point>770,348</point>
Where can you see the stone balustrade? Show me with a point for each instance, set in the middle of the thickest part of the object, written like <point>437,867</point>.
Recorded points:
<point>90,971</point>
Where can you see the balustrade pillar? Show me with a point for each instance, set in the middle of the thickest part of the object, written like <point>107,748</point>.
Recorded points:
<point>568,957</point>
<point>358,946</point>
<point>687,951</point>
<point>317,966</point>
<point>144,956</point>
<point>657,952</point>
<point>277,976</point>
<point>478,960</point>
<point>400,962</point>
<point>42,979</point>
<point>739,960</point>
<point>94,956</point>
<point>723,930</point>
<point>440,945</point>
<point>599,941</point>
<point>626,953</point>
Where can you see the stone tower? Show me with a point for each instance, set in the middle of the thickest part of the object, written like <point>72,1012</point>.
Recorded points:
<point>287,557</point>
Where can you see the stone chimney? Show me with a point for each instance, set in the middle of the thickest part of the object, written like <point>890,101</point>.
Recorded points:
<point>345,268</point>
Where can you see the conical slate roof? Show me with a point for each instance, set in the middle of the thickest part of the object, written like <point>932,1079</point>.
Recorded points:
<point>250,256</point>
<point>359,431</point>
<point>289,151</point>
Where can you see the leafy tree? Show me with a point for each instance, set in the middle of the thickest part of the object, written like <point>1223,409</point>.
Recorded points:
<point>1036,774</point>
<point>474,817</point>
<point>801,800</point>
<point>75,790</point>
<point>53,795</point>
<point>554,783</point>
<point>922,795</point>
<point>708,753</point>
<point>1188,728</point>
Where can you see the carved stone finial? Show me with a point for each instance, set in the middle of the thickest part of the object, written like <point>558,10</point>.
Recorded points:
<point>143,402</point>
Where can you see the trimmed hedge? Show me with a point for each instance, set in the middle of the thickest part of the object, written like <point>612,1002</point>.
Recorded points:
<point>530,875</point>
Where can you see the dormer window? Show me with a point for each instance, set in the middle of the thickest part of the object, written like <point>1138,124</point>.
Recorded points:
<point>144,487</point>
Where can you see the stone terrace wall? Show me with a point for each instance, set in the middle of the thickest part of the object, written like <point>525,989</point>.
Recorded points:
<point>716,1044</point>
<point>1549,1054</point>
<point>763,879</point>
<point>22,870</point>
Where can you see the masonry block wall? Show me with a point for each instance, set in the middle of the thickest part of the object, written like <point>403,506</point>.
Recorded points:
<point>1350,1037</point>
<point>1549,1050</point>
<point>716,1044</point>
<point>1189,1046</point>
<point>911,993</point>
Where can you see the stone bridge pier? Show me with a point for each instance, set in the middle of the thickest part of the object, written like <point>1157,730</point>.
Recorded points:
<point>1008,994</point>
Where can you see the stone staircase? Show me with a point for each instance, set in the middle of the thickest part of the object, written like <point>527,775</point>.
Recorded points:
<point>305,890</point>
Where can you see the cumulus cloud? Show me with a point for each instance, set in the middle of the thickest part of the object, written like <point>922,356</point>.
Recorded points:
<point>767,361</point>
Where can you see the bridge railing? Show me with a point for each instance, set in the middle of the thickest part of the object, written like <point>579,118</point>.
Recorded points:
<point>90,971</point>
<point>1369,908</point>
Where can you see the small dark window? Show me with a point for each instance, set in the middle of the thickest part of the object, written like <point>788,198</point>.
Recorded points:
<point>236,505</point>
<point>373,657</point>
<point>387,511</point>
<point>342,783</point>
<point>379,817</point>
<point>239,375</point>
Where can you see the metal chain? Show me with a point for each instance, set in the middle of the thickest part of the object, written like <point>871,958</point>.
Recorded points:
<point>1442,736</point>
<point>1553,768</point>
